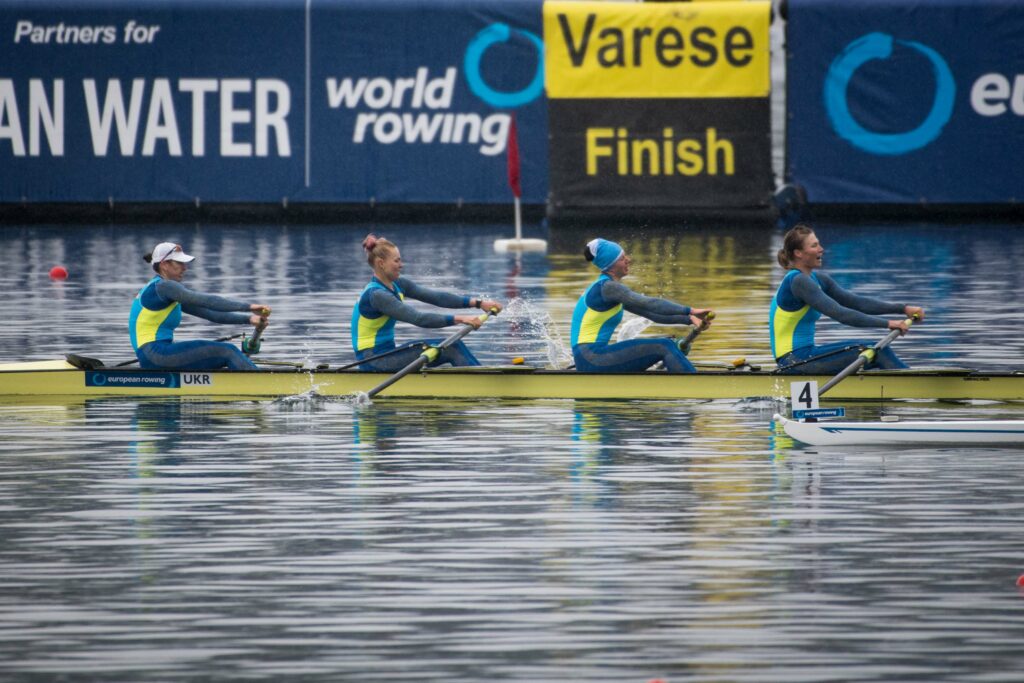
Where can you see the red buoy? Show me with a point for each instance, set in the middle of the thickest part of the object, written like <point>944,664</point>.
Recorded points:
<point>59,273</point>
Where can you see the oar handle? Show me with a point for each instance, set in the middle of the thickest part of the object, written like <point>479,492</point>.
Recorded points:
<point>252,344</point>
<point>704,324</point>
<point>684,346</point>
<point>889,338</point>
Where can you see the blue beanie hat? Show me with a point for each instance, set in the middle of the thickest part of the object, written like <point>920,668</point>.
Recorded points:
<point>605,253</point>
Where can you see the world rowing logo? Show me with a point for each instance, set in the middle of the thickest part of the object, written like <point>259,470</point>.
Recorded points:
<point>494,34</point>
<point>879,46</point>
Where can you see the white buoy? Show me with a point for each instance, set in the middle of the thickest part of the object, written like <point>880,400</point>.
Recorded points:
<point>519,243</point>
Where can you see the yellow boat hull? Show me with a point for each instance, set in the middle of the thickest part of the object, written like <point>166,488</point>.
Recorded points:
<point>58,378</point>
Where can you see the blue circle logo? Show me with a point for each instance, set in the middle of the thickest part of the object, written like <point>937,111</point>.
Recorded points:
<point>98,379</point>
<point>500,33</point>
<point>879,46</point>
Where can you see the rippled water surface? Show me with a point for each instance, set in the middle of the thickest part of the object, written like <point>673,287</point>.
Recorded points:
<point>311,539</point>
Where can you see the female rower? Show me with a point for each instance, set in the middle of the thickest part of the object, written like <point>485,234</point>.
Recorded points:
<point>156,312</point>
<point>383,302</point>
<point>599,311</point>
<point>804,296</point>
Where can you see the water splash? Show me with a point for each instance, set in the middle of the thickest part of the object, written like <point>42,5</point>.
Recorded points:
<point>305,398</point>
<point>313,401</point>
<point>762,404</point>
<point>535,322</point>
<point>632,328</point>
<point>358,400</point>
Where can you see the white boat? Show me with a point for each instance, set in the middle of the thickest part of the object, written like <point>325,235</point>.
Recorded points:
<point>837,433</point>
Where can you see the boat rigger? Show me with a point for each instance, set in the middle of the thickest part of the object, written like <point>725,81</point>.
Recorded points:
<point>61,378</point>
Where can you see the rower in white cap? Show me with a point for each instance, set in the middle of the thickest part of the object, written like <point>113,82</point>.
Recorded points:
<point>156,312</point>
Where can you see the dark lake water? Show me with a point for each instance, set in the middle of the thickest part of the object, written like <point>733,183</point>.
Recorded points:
<point>154,540</point>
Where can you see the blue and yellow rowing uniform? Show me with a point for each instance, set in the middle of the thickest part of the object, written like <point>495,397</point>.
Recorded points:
<point>373,325</point>
<point>599,311</point>
<point>156,313</point>
<point>800,301</point>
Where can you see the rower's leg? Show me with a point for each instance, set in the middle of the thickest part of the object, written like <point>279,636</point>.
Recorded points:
<point>827,359</point>
<point>458,354</point>
<point>394,362</point>
<point>886,359</point>
<point>634,355</point>
<point>831,359</point>
<point>197,354</point>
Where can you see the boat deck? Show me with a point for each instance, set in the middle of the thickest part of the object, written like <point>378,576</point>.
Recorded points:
<point>512,382</point>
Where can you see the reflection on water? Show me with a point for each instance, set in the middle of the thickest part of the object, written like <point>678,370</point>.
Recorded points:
<point>311,539</point>
<point>546,540</point>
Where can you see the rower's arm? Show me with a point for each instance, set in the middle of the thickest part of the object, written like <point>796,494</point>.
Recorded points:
<point>808,291</point>
<point>223,317</point>
<point>864,304</point>
<point>175,291</point>
<point>434,297</point>
<point>655,309</point>
<point>392,307</point>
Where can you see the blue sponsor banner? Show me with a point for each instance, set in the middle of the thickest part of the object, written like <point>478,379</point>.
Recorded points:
<point>419,97</point>
<point>901,101</point>
<point>324,101</point>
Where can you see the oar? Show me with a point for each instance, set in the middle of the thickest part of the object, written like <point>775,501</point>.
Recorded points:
<point>695,332</point>
<point>252,345</point>
<point>429,354</point>
<point>865,357</point>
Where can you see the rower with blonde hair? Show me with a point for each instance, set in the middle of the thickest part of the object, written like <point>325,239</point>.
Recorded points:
<point>382,303</point>
<point>804,295</point>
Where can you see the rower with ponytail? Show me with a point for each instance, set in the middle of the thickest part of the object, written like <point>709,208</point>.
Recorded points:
<point>806,294</point>
<point>382,303</point>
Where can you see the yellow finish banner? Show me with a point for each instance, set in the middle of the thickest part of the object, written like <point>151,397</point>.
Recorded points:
<point>657,50</point>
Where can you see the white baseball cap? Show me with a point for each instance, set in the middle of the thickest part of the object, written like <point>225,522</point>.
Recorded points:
<point>170,251</point>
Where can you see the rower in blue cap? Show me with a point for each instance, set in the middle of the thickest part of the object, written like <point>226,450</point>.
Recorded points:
<point>599,311</point>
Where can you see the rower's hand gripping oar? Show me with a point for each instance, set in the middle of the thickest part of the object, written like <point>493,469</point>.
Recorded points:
<point>429,355</point>
<point>866,356</point>
<point>705,323</point>
<point>251,345</point>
